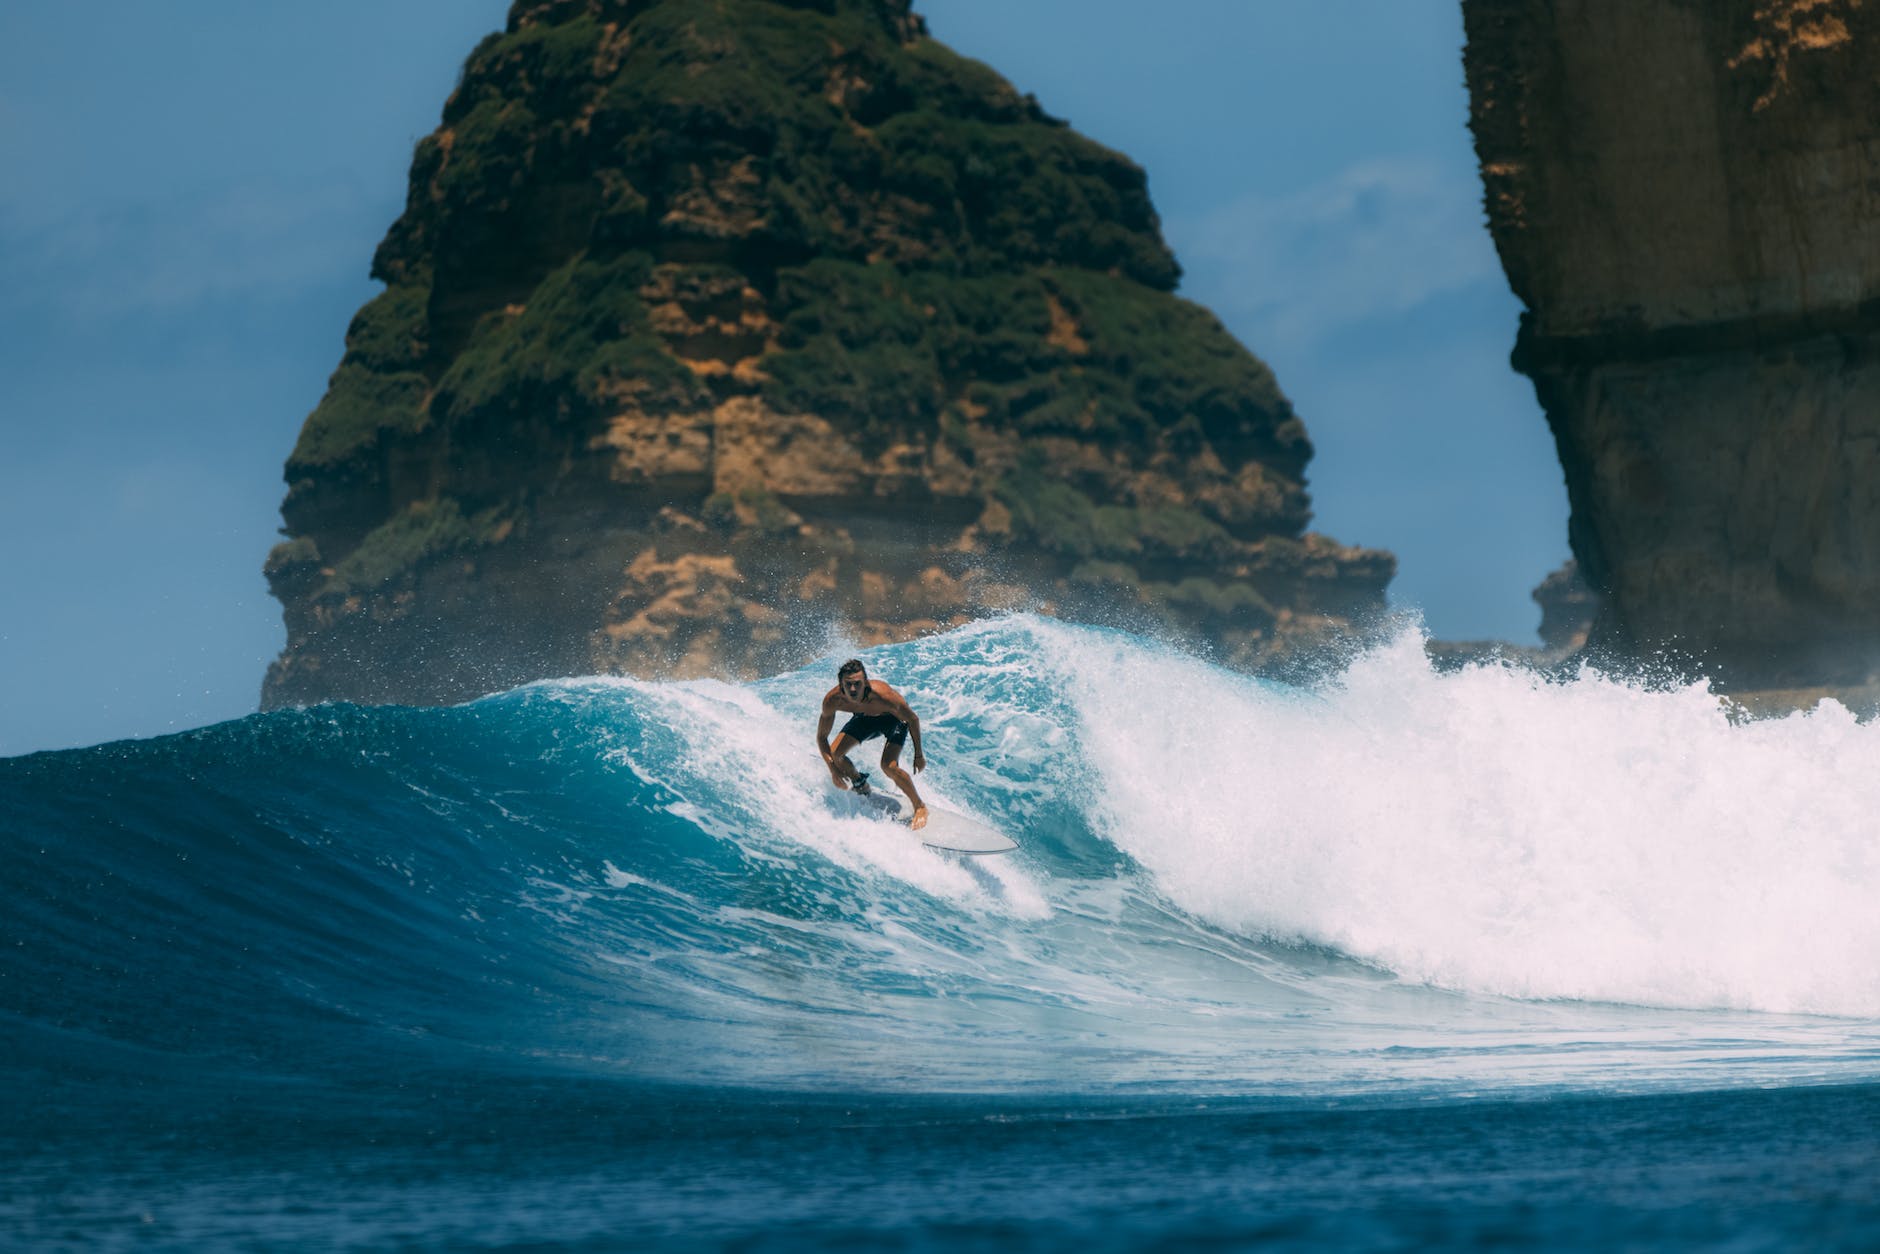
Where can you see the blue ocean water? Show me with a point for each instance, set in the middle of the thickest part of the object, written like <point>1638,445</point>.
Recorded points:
<point>1394,960</point>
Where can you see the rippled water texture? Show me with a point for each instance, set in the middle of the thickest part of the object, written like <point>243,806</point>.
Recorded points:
<point>1393,888</point>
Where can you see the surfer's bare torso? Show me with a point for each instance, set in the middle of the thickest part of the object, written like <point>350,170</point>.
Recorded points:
<point>880,699</point>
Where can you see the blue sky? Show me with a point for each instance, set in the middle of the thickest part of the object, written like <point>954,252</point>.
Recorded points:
<point>194,192</point>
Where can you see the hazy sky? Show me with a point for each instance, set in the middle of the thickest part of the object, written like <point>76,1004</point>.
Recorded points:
<point>193,192</point>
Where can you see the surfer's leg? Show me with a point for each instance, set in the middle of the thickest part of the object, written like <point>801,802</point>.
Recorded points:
<point>839,754</point>
<point>891,766</point>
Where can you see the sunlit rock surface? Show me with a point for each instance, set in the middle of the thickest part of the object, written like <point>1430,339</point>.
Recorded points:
<point>1684,196</point>
<point>710,325</point>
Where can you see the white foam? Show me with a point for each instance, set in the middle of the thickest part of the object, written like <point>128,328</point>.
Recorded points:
<point>1495,833</point>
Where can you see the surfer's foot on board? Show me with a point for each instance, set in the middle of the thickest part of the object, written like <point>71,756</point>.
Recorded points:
<point>920,818</point>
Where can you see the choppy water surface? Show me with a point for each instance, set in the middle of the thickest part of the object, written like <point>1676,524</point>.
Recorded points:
<point>596,939</point>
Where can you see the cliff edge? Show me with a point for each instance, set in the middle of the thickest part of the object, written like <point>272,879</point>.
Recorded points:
<point>1683,195</point>
<point>709,323</point>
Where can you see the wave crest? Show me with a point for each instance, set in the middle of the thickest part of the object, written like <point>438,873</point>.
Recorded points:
<point>1397,878</point>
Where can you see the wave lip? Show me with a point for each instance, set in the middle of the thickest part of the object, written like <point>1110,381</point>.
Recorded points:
<point>1398,880</point>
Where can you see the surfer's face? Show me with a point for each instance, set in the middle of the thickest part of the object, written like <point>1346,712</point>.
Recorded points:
<point>853,686</point>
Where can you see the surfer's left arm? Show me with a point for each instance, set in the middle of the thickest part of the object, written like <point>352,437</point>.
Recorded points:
<point>905,713</point>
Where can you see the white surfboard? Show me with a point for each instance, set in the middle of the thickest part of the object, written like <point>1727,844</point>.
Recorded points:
<point>947,830</point>
<point>944,830</point>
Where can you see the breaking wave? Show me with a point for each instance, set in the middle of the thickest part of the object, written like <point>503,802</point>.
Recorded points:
<point>1393,880</point>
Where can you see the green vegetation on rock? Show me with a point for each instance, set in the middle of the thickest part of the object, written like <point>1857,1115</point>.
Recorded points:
<point>360,406</point>
<point>873,344</point>
<point>424,531</point>
<point>659,251</point>
<point>583,330</point>
<point>1057,517</point>
<point>917,217</point>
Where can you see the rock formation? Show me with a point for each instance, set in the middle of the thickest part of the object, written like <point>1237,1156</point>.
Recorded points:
<point>710,323</point>
<point>1568,608</point>
<point>1683,195</point>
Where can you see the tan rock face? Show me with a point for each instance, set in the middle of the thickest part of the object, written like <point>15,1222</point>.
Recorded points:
<point>1684,196</point>
<point>710,323</point>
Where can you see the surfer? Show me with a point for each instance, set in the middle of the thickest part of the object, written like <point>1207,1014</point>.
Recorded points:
<point>878,710</point>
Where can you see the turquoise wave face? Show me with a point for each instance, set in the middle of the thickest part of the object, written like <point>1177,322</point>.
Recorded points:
<point>1396,882</point>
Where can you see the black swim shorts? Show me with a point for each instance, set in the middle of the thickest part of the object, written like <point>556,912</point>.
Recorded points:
<point>868,726</point>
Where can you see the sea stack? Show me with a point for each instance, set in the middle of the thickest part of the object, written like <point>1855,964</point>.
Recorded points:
<point>1684,197</point>
<point>709,324</point>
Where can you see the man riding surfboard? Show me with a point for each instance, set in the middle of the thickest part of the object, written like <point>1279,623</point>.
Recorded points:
<point>877,710</point>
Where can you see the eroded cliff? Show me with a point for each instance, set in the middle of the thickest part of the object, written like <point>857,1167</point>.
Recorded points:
<point>710,323</point>
<point>1683,195</point>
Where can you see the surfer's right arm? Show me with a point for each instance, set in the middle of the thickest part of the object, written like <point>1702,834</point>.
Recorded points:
<point>824,726</point>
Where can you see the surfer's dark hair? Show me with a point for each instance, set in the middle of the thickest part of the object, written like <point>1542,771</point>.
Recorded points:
<point>849,668</point>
